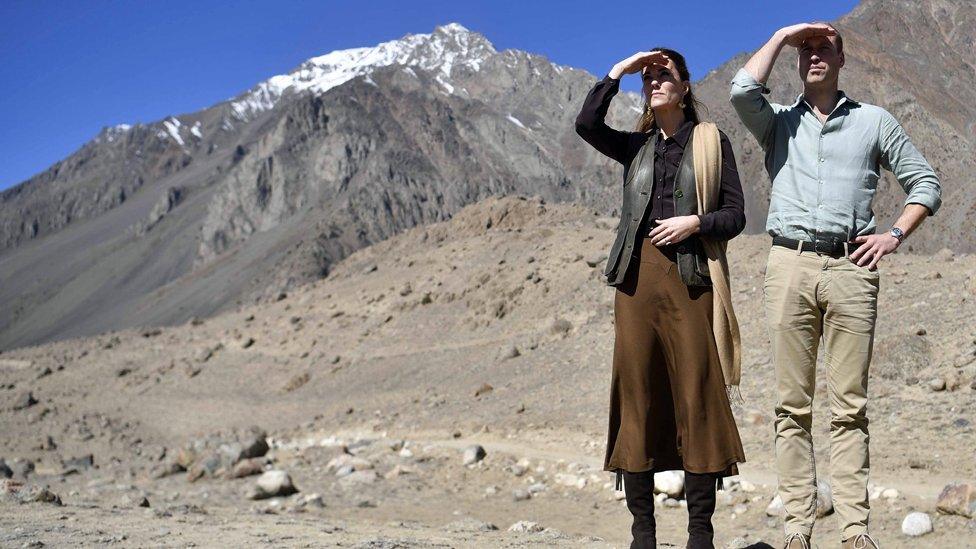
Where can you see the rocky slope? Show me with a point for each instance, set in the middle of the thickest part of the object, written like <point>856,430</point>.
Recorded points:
<point>195,214</point>
<point>371,385</point>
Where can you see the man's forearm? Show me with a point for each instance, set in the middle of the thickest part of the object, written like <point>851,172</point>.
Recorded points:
<point>761,63</point>
<point>911,217</point>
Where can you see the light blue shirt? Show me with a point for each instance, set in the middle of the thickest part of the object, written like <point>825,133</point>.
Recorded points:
<point>824,176</point>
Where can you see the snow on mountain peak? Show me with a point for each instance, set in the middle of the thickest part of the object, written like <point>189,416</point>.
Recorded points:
<point>448,46</point>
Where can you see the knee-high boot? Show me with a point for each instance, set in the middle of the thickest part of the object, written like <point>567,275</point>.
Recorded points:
<point>700,495</point>
<point>639,488</point>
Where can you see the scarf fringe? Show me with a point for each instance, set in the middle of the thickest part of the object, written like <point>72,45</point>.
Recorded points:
<point>734,394</point>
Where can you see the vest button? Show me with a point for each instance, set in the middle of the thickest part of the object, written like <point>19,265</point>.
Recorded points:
<point>678,193</point>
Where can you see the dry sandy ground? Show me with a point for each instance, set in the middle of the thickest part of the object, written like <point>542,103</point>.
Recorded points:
<point>489,329</point>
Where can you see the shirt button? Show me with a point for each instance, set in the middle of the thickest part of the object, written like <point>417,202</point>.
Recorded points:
<point>821,159</point>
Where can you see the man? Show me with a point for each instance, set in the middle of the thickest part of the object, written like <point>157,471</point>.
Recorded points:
<point>823,155</point>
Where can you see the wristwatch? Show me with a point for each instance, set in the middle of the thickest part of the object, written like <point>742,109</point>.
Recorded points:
<point>898,233</point>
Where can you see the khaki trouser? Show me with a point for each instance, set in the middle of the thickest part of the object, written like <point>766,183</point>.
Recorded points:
<point>809,296</point>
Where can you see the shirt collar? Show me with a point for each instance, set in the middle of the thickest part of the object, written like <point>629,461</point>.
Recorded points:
<point>841,99</point>
<point>681,136</point>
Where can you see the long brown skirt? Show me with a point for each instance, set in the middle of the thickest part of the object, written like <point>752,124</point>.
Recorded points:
<point>668,406</point>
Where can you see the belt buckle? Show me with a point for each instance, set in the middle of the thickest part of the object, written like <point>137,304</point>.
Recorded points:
<point>824,247</point>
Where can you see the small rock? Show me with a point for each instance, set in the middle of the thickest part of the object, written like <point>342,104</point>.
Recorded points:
<point>130,500</point>
<point>24,399</point>
<point>890,493</point>
<point>510,352</point>
<point>247,342</point>
<point>39,494</point>
<point>525,527</point>
<point>271,484</point>
<point>297,381</point>
<point>398,471</point>
<point>82,463</point>
<point>485,388</point>
<point>825,501</point>
<point>595,260</point>
<point>958,498</point>
<point>775,507</point>
<point>206,467</point>
<point>165,469</point>
<point>738,543</point>
<point>671,483</point>
<point>572,481</point>
<point>937,384</point>
<point>246,468</point>
<point>204,354</point>
<point>474,454</point>
<point>916,524</point>
<point>521,495</point>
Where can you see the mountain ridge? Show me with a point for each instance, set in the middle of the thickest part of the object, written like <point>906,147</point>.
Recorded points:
<point>199,212</point>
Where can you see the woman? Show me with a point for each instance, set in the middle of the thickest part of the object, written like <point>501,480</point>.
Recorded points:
<point>669,409</point>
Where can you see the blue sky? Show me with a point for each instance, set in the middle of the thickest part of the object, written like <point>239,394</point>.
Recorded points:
<point>69,68</point>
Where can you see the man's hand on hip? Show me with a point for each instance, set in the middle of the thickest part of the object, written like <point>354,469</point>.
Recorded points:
<point>873,248</point>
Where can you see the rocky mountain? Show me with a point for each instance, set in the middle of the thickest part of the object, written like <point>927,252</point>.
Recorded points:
<point>153,224</point>
<point>252,197</point>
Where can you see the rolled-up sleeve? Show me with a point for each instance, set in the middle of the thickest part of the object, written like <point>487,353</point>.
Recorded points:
<point>910,168</point>
<point>752,107</point>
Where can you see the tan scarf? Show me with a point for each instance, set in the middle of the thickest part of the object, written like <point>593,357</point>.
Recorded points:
<point>707,150</point>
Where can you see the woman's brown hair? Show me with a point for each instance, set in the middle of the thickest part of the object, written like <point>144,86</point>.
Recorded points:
<point>646,120</point>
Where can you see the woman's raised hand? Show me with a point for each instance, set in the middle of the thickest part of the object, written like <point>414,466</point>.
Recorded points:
<point>638,61</point>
